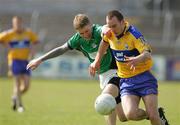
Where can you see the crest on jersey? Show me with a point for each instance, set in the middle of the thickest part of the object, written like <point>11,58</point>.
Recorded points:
<point>126,46</point>
<point>94,45</point>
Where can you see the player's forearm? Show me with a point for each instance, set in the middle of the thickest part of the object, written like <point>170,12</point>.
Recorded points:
<point>55,52</point>
<point>101,51</point>
<point>144,56</point>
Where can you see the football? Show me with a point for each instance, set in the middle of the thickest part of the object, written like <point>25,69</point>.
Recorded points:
<point>105,104</point>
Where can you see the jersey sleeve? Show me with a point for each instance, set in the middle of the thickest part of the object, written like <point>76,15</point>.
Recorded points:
<point>98,28</point>
<point>141,45</point>
<point>73,42</point>
<point>3,37</point>
<point>105,39</point>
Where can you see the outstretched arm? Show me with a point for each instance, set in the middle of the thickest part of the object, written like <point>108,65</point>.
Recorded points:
<point>55,52</point>
<point>95,66</point>
<point>33,64</point>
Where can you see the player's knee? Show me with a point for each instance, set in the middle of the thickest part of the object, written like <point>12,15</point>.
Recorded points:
<point>24,88</point>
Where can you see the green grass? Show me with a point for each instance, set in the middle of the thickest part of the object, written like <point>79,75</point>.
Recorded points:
<point>71,102</point>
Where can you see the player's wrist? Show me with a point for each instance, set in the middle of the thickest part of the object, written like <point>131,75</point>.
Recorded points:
<point>39,60</point>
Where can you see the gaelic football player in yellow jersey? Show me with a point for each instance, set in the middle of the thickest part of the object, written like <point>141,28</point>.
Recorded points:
<point>19,41</point>
<point>133,58</point>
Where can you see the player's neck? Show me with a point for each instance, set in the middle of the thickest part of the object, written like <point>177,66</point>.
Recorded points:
<point>121,33</point>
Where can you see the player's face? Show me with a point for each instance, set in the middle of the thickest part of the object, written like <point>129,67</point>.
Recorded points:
<point>115,25</point>
<point>17,24</point>
<point>86,32</point>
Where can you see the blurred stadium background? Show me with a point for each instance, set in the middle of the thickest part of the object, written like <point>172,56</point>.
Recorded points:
<point>48,102</point>
<point>158,20</point>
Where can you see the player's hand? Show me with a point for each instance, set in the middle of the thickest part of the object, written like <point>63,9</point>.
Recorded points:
<point>106,31</point>
<point>33,64</point>
<point>95,66</point>
<point>131,62</point>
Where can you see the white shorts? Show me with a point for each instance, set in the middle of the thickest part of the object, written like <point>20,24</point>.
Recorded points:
<point>106,76</point>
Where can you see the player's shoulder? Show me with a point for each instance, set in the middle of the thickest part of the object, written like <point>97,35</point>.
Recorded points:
<point>134,31</point>
<point>97,27</point>
<point>76,36</point>
<point>74,39</point>
<point>6,34</point>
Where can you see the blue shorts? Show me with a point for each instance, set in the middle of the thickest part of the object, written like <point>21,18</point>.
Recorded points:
<point>140,85</point>
<point>18,67</point>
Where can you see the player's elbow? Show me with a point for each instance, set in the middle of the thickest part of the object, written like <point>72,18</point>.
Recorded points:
<point>147,55</point>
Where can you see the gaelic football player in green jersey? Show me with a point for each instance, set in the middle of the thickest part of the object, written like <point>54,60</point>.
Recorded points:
<point>87,40</point>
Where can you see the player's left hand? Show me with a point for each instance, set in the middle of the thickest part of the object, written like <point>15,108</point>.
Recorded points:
<point>131,62</point>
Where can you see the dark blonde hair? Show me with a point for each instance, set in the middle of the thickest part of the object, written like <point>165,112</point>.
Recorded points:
<point>80,20</point>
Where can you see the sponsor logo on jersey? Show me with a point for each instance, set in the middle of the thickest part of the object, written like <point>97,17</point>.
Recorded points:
<point>94,45</point>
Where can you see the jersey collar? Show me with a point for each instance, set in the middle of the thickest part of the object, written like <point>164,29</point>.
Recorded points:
<point>124,31</point>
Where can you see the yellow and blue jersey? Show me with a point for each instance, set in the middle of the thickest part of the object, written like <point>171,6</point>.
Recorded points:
<point>130,43</point>
<point>19,44</point>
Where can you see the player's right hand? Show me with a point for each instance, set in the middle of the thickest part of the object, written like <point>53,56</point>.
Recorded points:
<point>33,64</point>
<point>106,31</point>
<point>95,66</point>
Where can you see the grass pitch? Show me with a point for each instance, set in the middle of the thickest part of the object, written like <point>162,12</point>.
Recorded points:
<point>71,102</point>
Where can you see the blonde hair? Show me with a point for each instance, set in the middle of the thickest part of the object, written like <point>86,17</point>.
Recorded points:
<point>80,20</point>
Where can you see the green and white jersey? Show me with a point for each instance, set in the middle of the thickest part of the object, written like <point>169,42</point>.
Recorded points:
<point>90,47</point>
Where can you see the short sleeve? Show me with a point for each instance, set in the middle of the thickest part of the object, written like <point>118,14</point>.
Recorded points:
<point>34,38</point>
<point>141,45</point>
<point>98,28</point>
<point>73,42</point>
<point>105,39</point>
<point>3,37</point>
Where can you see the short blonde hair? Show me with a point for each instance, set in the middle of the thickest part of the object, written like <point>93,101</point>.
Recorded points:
<point>80,20</point>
